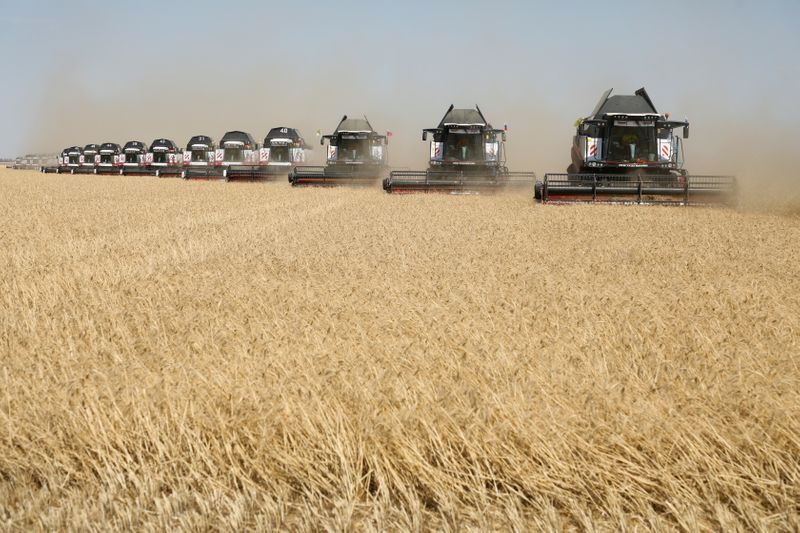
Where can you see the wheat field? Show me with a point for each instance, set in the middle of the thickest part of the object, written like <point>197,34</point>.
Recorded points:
<point>226,356</point>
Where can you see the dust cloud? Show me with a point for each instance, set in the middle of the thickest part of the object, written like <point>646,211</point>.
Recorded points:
<point>185,102</point>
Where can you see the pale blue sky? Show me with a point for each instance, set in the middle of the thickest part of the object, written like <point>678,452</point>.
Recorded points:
<point>89,71</point>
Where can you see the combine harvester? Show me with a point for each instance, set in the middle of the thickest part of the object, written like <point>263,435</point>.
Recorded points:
<point>200,158</point>
<point>164,158</point>
<point>625,152</point>
<point>239,157</point>
<point>60,166</point>
<point>357,155</point>
<point>71,161</point>
<point>110,159</point>
<point>467,155</point>
<point>283,149</point>
<point>133,159</point>
<point>89,159</point>
<point>34,162</point>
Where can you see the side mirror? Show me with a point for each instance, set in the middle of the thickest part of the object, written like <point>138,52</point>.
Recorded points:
<point>686,131</point>
<point>590,130</point>
<point>321,141</point>
<point>424,135</point>
<point>503,136</point>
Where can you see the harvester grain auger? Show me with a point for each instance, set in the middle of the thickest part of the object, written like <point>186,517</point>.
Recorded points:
<point>110,159</point>
<point>239,157</point>
<point>200,158</point>
<point>60,166</point>
<point>625,152</point>
<point>466,155</point>
<point>357,155</point>
<point>283,149</point>
<point>164,158</point>
<point>133,159</point>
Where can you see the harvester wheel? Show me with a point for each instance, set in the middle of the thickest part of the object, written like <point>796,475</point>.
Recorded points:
<point>183,174</point>
<point>225,175</point>
<point>158,173</point>
<point>72,171</point>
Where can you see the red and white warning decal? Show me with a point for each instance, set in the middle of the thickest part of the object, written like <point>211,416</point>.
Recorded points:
<point>665,149</point>
<point>436,151</point>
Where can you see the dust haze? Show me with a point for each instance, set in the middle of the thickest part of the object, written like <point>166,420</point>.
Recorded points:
<point>180,99</point>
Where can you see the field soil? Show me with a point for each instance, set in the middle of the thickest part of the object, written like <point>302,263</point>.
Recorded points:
<point>204,355</point>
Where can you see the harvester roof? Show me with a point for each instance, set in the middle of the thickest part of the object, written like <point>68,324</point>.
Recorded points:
<point>239,137</point>
<point>91,148</point>
<point>200,141</point>
<point>284,135</point>
<point>463,117</point>
<point>74,150</point>
<point>134,146</point>
<point>354,125</point>
<point>282,132</point>
<point>163,145</point>
<point>633,104</point>
<point>110,147</point>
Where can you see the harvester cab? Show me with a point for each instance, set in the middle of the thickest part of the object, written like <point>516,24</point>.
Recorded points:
<point>110,159</point>
<point>200,157</point>
<point>625,151</point>
<point>164,158</point>
<point>90,158</point>
<point>466,155</point>
<point>283,149</point>
<point>237,156</point>
<point>356,154</point>
<point>133,158</point>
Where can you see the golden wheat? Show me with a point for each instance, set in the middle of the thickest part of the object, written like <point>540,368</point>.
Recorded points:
<point>228,356</point>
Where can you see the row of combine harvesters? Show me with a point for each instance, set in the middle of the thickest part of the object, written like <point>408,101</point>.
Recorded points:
<point>236,156</point>
<point>623,152</point>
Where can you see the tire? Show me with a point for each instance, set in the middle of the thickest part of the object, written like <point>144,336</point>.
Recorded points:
<point>183,175</point>
<point>158,173</point>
